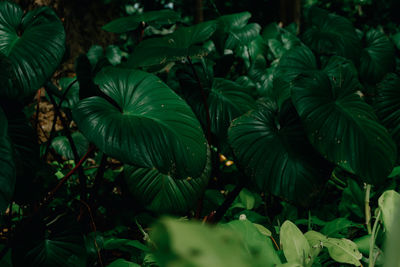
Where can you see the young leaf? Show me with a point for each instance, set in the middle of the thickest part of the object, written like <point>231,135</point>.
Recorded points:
<point>295,246</point>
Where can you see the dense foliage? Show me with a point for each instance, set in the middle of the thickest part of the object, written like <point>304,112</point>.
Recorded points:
<point>284,144</point>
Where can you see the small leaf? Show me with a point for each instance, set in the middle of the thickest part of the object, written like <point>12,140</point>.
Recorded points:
<point>295,246</point>
<point>343,250</point>
<point>63,147</point>
<point>123,263</point>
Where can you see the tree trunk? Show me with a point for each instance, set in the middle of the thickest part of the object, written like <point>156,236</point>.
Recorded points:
<point>198,15</point>
<point>290,11</point>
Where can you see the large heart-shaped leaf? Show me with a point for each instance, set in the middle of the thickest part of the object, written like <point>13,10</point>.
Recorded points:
<point>342,127</point>
<point>7,165</point>
<point>162,193</point>
<point>377,58</point>
<point>184,42</point>
<point>387,105</point>
<point>330,34</point>
<point>147,124</point>
<point>56,241</point>
<point>33,42</point>
<point>130,23</point>
<point>272,147</point>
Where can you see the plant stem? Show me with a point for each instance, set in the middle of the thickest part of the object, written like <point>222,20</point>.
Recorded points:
<point>66,177</point>
<point>367,208</point>
<point>81,174</point>
<point>99,178</point>
<point>372,240</point>
<point>202,91</point>
<point>220,212</point>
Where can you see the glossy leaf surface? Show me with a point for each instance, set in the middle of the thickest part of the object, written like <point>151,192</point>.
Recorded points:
<point>273,148</point>
<point>184,42</point>
<point>147,124</point>
<point>342,127</point>
<point>34,44</point>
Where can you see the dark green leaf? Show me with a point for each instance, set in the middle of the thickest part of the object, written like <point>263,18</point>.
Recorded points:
<point>57,243</point>
<point>7,165</point>
<point>164,194</point>
<point>330,34</point>
<point>273,148</point>
<point>184,42</point>
<point>33,42</point>
<point>148,125</point>
<point>377,58</point>
<point>62,146</point>
<point>159,17</point>
<point>387,105</point>
<point>342,127</point>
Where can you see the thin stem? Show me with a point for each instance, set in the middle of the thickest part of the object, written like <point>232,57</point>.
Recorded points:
<point>367,208</point>
<point>99,178</point>
<point>66,177</point>
<point>220,212</point>
<point>208,118</point>
<point>372,240</point>
<point>81,174</point>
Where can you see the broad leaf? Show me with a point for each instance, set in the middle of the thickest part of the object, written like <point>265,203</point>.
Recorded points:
<point>62,146</point>
<point>294,244</point>
<point>330,34</point>
<point>193,244</point>
<point>146,124</point>
<point>342,127</point>
<point>54,242</point>
<point>34,44</point>
<point>131,23</point>
<point>226,101</point>
<point>387,105</point>
<point>7,165</point>
<point>122,263</point>
<point>389,203</point>
<point>258,244</point>
<point>184,42</point>
<point>162,193</point>
<point>377,58</point>
<point>273,149</point>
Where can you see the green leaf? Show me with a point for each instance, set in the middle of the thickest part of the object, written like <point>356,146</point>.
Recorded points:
<point>343,250</point>
<point>125,245</point>
<point>7,165</point>
<point>294,244</point>
<point>352,200</point>
<point>226,101</point>
<point>258,244</point>
<point>55,242</point>
<point>342,127</point>
<point>330,34</point>
<point>147,124</point>
<point>62,146</point>
<point>71,97</point>
<point>131,23</point>
<point>337,226</point>
<point>193,244</point>
<point>389,203</point>
<point>162,193</point>
<point>377,58</point>
<point>184,42</point>
<point>242,36</point>
<point>123,263</point>
<point>291,168</point>
<point>33,42</point>
<point>387,105</point>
